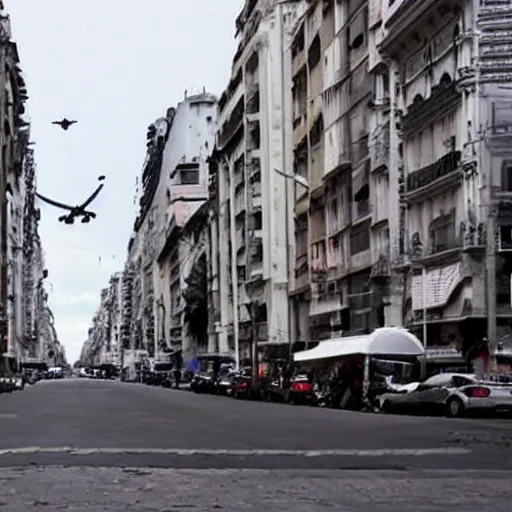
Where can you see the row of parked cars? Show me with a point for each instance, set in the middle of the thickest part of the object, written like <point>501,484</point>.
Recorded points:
<point>450,394</point>
<point>10,384</point>
<point>28,376</point>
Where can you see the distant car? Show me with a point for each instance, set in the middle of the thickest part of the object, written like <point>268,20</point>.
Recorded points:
<point>7,385</point>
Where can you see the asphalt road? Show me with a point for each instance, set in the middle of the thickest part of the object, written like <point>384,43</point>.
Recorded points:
<point>82,445</point>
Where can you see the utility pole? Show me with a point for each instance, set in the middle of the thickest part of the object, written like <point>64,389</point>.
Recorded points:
<point>254,344</point>
<point>490,261</point>
<point>234,273</point>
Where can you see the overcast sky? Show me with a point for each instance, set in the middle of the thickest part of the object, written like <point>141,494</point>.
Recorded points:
<point>115,66</point>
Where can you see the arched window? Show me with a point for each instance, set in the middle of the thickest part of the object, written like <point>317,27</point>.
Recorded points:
<point>417,99</point>
<point>446,79</point>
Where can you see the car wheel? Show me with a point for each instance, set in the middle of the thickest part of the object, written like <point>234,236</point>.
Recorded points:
<point>454,408</point>
<point>376,408</point>
<point>384,407</point>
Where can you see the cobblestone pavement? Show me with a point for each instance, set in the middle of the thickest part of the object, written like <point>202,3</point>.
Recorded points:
<point>169,490</point>
<point>68,445</point>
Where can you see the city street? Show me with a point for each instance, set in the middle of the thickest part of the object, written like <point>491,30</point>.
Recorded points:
<point>82,445</point>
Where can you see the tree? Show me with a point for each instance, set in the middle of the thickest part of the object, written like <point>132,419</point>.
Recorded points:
<point>196,301</point>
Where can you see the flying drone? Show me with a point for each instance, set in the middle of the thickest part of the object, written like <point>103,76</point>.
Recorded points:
<point>65,123</point>
<point>75,211</point>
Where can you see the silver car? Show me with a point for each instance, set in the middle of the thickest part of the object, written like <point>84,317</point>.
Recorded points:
<point>439,394</point>
<point>479,396</point>
<point>450,393</point>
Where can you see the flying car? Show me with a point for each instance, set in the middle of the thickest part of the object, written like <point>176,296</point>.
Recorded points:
<point>64,123</point>
<point>75,211</point>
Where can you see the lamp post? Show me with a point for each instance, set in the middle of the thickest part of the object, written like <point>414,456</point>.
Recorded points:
<point>303,182</point>
<point>161,337</point>
<point>38,306</point>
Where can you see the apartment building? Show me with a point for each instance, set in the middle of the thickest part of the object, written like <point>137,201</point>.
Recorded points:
<point>26,322</point>
<point>340,142</point>
<point>185,189</point>
<point>251,194</point>
<point>448,165</point>
<point>172,187</point>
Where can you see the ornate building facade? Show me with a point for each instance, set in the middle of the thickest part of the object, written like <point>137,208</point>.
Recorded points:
<point>26,323</point>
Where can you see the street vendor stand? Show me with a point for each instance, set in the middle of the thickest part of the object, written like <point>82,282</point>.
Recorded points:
<point>387,344</point>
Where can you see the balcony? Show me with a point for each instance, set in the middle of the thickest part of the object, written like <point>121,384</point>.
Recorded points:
<point>262,330</point>
<point>444,99</point>
<point>256,202</point>
<point>239,179</point>
<point>360,301</point>
<point>233,125</point>
<point>298,61</point>
<point>443,246</point>
<point>360,260</point>
<point>381,268</point>
<point>256,271</point>
<point>299,129</point>
<point>256,235</point>
<point>360,210</point>
<point>443,173</point>
<point>379,148</point>
<point>326,304</point>
<point>240,239</point>
<point>240,202</point>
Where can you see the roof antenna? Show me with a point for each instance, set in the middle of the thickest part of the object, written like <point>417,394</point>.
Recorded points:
<point>185,93</point>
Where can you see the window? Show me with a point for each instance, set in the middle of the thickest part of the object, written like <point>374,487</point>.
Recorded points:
<point>257,221</point>
<point>359,240</point>
<point>501,117</point>
<point>441,237</point>
<point>506,176</point>
<point>189,177</point>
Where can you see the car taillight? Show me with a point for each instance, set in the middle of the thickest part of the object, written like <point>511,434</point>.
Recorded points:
<point>302,387</point>
<point>480,392</point>
<point>242,385</point>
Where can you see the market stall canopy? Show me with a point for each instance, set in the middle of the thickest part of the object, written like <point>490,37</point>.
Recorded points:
<point>383,341</point>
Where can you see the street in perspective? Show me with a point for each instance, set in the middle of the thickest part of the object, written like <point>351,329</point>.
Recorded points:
<point>90,444</point>
<point>313,306</point>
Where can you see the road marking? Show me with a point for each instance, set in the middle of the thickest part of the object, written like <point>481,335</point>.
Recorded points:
<point>237,453</point>
<point>7,416</point>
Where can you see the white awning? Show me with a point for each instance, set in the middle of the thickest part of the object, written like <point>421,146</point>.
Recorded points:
<point>384,341</point>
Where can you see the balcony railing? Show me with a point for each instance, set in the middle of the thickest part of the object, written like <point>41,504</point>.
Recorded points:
<point>440,245</point>
<point>240,239</point>
<point>328,303</point>
<point>359,301</point>
<point>379,147</point>
<point>239,202</point>
<point>445,244</point>
<point>262,329</point>
<point>232,125</point>
<point>440,168</point>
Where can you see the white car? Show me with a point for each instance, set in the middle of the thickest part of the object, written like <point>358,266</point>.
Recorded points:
<point>451,393</point>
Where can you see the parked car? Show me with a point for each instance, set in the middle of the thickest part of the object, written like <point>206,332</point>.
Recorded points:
<point>452,394</point>
<point>202,383</point>
<point>7,385</point>
<point>224,384</point>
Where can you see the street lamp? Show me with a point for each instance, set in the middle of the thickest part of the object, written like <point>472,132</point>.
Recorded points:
<point>300,180</point>
<point>295,177</point>
<point>161,338</point>
<point>38,316</point>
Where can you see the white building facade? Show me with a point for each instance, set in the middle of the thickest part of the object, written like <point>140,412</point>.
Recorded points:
<point>441,166</point>
<point>251,223</point>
